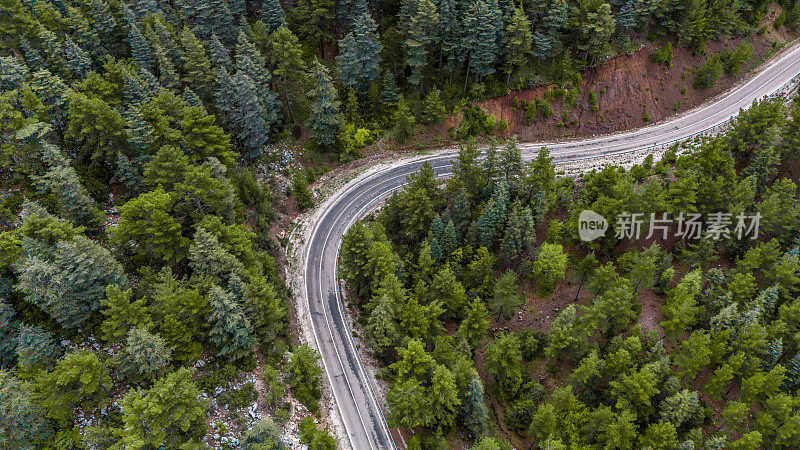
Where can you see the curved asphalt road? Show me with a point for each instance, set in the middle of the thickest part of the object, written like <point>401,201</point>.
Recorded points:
<point>363,418</point>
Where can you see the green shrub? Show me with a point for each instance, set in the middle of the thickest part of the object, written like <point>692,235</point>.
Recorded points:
<point>735,60</point>
<point>530,111</point>
<point>572,97</point>
<point>301,193</point>
<point>593,101</point>
<point>708,75</point>
<point>490,123</point>
<point>663,55</point>
<point>646,118</point>
<point>239,398</point>
<point>473,124</point>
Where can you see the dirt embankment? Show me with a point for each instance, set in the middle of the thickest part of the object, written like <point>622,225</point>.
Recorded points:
<point>633,90</point>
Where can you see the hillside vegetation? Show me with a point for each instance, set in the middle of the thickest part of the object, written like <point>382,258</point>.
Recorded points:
<point>498,325</point>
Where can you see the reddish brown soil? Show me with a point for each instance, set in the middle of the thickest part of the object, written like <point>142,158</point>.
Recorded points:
<point>634,86</point>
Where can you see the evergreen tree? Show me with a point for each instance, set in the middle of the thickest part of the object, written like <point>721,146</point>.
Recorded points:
<point>52,48</point>
<point>33,57</point>
<point>134,89</point>
<point>506,300</point>
<point>139,132</point>
<point>504,364</point>
<point>23,423</point>
<point>517,43</point>
<point>141,53</point>
<point>252,128</point>
<point>104,21</point>
<point>543,44</point>
<point>231,332</point>
<point>272,15</point>
<point>219,54</point>
<point>289,64</point>
<point>390,95</point>
<point>480,43</point>
<point>433,110</point>
<point>8,339</point>
<point>167,75</point>
<point>420,32</point>
<point>77,60</point>
<point>325,119</point>
<point>549,267</point>
<point>36,348</point>
<point>71,281</point>
<point>195,62</point>
<point>305,376</point>
<point>475,326</point>
<point>80,379</point>
<point>448,33</point>
<point>171,413</point>
<point>404,122</point>
<point>359,54</point>
<point>122,313</point>
<point>74,201</point>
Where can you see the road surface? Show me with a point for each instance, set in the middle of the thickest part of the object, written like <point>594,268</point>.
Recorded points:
<point>352,388</point>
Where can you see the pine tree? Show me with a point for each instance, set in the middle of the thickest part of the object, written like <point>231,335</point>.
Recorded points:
<point>25,424</point>
<point>209,258</point>
<point>74,201</point>
<point>404,122</point>
<point>289,64</point>
<point>140,8</point>
<point>420,32</point>
<point>250,61</point>
<point>77,60</point>
<point>193,100</point>
<point>36,348</point>
<point>448,33</point>
<point>517,42</point>
<point>231,332</point>
<point>480,41</point>
<point>272,15</point>
<point>433,110</point>
<point>449,238</point>
<point>145,355</point>
<point>225,95</point>
<point>140,134</point>
<point>219,54</point>
<point>80,379</point>
<point>33,57</point>
<point>512,243</point>
<point>122,313</point>
<point>475,326</point>
<point>359,54</point>
<point>104,21</point>
<point>134,89</point>
<point>252,128</point>
<point>390,94</point>
<point>381,328</point>
<point>195,62</point>
<point>70,281</point>
<point>52,48</point>
<point>166,39</point>
<point>153,86</point>
<point>141,53</point>
<point>171,413</point>
<point>325,119</point>
<point>625,18</point>
<point>84,35</point>
<point>168,76</point>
